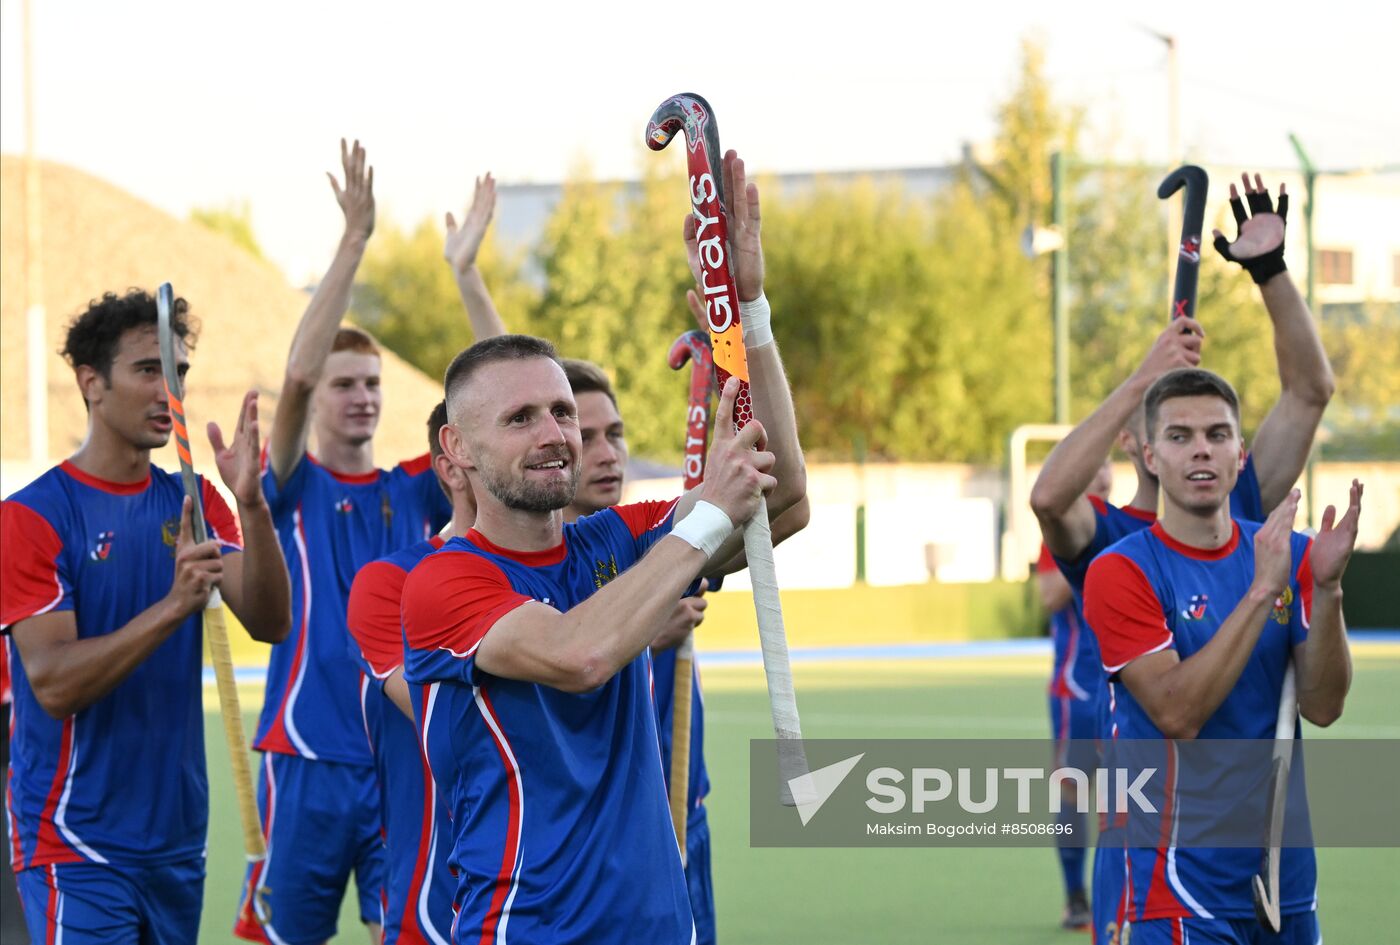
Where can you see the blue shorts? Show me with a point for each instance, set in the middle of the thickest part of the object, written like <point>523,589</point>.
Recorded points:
<point>1298,929</point>
<point>697,876</point>
<point>102,904</point>
<point>321,822</point>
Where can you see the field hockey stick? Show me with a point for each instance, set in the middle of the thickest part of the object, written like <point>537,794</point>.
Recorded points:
<point>692,114</point>
<point>693,346</point>
<point>214,627</point>
<point>1193,217</point>
<point>1266,884</point>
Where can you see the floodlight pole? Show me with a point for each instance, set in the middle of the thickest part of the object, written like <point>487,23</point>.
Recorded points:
<point>1060,288</point>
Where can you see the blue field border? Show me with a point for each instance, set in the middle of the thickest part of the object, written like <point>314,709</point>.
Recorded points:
<point>975,649</point>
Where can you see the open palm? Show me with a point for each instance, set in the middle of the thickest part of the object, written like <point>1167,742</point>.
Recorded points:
<point>463,243</point>
<point>240,462</point>
<point>1332,547</point>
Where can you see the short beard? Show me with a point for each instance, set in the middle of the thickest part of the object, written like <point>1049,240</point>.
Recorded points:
<point>523,496</point>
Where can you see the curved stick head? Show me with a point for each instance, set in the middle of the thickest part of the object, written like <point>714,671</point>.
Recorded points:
<point>694,346</point>
<point>682,111</point>
<point>1190,176</point>
<point>165,307</point>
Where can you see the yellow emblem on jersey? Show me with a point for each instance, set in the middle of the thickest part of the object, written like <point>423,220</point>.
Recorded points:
<point>1283,606</point>
<point>170,534</point>
<point>604,571</point>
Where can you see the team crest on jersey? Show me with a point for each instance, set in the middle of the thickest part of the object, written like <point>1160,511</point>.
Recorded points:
<point>345,506</point>
<point>170,534</point>
<point>1196,607</point>
<point>1283,606</point>
<point>386,510</point>
<point>102,547</point>
<point>604,571</point>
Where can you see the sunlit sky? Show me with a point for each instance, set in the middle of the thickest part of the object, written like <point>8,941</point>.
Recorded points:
<point>190,104</point>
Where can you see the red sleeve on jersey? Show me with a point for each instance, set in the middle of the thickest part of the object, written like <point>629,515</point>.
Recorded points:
<point>451,600</point>
<point>219,518</point>
<point>1100,506</point>
<point>373,615</point>
<point>641,517</point>
<point>30,583</point>
<point>1305,584</point>
<point>1124,611</point>
<point>1046,562</point>
<point>418,465</point>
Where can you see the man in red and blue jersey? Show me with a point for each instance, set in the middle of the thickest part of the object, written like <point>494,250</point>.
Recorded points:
<point>1077,527</point>
<point>102,590</point>
<point>603,466</point>
<point>1198,618</point>
<point>1074,705</point>
<point>531,636</point>
<point>419,887</point>
<point>335,513</point>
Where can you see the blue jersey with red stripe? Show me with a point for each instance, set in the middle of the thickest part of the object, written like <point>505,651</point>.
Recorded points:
<point>1149,593</point>
<point>562,831</point>
<point>1113,523</point>
<point>331,525</point>
<point>97,786</point>
<point>1075,672</point>
<point>417,829</point>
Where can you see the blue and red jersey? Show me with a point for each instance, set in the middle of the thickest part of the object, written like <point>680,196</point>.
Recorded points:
<point>1149,593</point>
<point>1075,671</point>
<point>1113,523</point>
<point>561,825</point>
<point>417,829</point>
<point>122,781</point>
<point>330,525</point>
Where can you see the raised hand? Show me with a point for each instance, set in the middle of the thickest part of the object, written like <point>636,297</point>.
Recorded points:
<point>1332,547</point>
<point>746,248</point>
<point>1178,346</point>
<point>737,471</point>
<point>356,198</point>
<point>198,568</point>
<point>240,462</point>
<point>1259,246</point>
<point>464,242</point>
<point>1273,547</point>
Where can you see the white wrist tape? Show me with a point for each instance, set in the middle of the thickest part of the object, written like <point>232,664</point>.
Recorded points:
<point>705,528</point>
<point>755,317</point>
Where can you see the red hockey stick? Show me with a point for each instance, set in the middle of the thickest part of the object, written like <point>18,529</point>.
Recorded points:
<point>692,114</point>
<point>693,346</point>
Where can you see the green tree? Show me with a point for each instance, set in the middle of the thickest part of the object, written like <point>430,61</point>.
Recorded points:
<point>406,295</point>
<point>234,221</point>
<point>615,282</point>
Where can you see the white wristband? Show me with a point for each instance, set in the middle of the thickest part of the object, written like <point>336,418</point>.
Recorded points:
<point>755,317</point>
<point>705,528</point>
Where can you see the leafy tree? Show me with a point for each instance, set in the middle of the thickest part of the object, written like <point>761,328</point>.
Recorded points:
<point>406,294</point>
